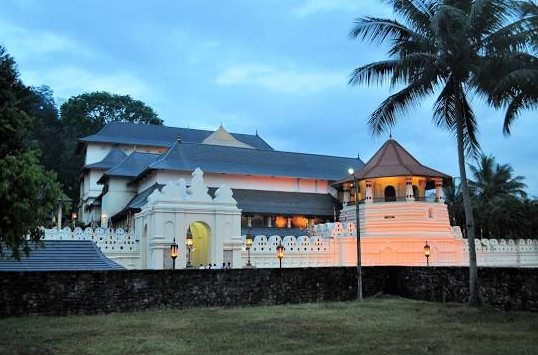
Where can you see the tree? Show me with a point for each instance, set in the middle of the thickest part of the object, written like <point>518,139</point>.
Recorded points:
<point>451,48</point>
<point>517,90</point>
<point>28,193</point>
<point>86,114</point>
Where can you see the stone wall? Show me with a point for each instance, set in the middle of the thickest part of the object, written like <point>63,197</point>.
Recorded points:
<point>63,293</point>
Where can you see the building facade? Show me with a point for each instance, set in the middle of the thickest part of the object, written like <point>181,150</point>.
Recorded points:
<point>144,188</point>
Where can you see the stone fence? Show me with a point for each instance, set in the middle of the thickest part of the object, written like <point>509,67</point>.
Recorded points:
<point>80,292</point>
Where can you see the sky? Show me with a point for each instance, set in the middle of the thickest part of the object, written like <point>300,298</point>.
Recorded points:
<point>279,67</point>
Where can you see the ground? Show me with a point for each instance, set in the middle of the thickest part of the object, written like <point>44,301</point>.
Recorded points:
<point>377,326</point>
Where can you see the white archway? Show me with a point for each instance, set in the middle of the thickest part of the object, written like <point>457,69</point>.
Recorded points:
<point>217,221</point>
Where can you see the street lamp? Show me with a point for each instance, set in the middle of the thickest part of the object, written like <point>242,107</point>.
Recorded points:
<point>74,218</point>
<point>280,253</point>
<point>173,253</point>
<point>248,244</point>
<point>189,243</point>
<point>427,253</point>
<point>358,227</point>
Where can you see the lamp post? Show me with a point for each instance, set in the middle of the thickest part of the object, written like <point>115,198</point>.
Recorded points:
<point>358,227</point>
<point>74,219</point>
<point>280,254</point>
<point>248,244</point>
<point>427,253</point>
<point>189,243</point>
<point>173,253</point>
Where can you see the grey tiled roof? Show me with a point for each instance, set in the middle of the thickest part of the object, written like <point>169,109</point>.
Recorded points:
<point>285,203</point>
<point>131,166</point>
<point>160,136</point>
<point>270,231</point>
<point>233,160</point>
<point>260,202</point>
<point>61,255</point>
<point>112,159</point>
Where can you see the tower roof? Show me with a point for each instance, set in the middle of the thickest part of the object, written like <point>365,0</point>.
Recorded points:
<point>393,160</point>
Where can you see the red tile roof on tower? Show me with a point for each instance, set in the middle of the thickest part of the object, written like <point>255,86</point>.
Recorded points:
<point>393,160</point>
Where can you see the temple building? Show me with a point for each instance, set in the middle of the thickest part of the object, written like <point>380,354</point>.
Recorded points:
<point>157,197</point>
<point>278,192</point>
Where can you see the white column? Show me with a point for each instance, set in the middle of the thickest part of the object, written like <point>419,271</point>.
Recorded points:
<point>368,197</point>
<point>289,222</point>
<point>409,196</point>
<point>249,221</point>
<point>269,221</point>
<point>60,207</point>
<point>440,196</point>
<point>346,197</point>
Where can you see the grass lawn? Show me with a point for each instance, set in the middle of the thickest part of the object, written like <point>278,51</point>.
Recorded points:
<point>380,326</point>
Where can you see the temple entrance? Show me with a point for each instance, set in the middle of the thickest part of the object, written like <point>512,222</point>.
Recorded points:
<point>200,235</point>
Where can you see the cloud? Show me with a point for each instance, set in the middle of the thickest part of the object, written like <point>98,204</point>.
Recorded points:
<point>311,7</point>
<point>27,43</point>
<point>69,81</point>
<point>286,81</point>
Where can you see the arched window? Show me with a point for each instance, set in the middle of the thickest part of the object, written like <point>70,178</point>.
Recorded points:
<point>390,194</point>
<point>416,194</point>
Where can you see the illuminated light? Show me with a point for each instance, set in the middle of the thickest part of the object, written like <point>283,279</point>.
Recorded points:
<point>189,242</point>
<point>427,253</point>
<point>281,222</point>
<point>350,171</point>
<point>173,253</point>
<point>74,215</point>
<point>280,254</point>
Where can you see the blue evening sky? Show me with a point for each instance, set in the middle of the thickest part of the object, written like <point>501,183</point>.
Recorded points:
<point>277,66</point>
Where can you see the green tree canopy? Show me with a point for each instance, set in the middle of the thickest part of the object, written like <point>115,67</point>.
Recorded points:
<point>28,194</point>
<point>86,114</point>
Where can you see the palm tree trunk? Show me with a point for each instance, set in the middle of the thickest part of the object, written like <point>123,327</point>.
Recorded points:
<point>468,209</point>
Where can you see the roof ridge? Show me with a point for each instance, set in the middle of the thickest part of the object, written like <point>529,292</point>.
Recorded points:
<point>267,150</point>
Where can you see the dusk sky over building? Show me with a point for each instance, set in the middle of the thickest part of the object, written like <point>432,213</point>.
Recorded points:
<point>278,67</point>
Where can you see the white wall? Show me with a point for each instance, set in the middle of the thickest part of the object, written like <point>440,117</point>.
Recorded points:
<point>118,195</point>
<point>247,182</point>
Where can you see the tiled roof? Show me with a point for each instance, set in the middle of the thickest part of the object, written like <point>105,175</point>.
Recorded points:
<point>160,136</point>
<point>131,166</point>
<point>61,255</point>
<point>112,159</point>
<point>393,160</point>
<point>270,231</point>
<point>234,160</point>
<point>260,202</point>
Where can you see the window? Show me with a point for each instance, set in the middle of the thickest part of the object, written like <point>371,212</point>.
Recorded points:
<point>390,194</point>
<point>416,194</point>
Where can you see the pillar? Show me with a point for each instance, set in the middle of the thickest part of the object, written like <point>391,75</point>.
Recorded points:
<point>269,221</point>
<point>346,197</point>
<point>439,195</point>
<point>409,195</point>
<point>60,207</point>
<point>289,222</point>
<point>369,195</point>
<point>249,221</point>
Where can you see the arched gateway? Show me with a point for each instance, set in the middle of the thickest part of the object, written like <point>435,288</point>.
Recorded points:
<point>214,222</point>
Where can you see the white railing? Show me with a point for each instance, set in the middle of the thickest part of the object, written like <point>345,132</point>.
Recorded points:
<point>107,239</point>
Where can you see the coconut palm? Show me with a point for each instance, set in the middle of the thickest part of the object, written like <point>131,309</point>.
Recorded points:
<point>493,180</point>
<point>444,47</point>
<point>518,88</point>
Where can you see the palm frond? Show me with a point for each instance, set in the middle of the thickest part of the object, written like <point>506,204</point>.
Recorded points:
<point>519,103</point>
<point>396,106</point>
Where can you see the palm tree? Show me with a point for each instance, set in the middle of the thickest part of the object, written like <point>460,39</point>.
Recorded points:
<point>497,196</point>
<point>493,180</point>
<point>448,47</point>
<point>518,88</point>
